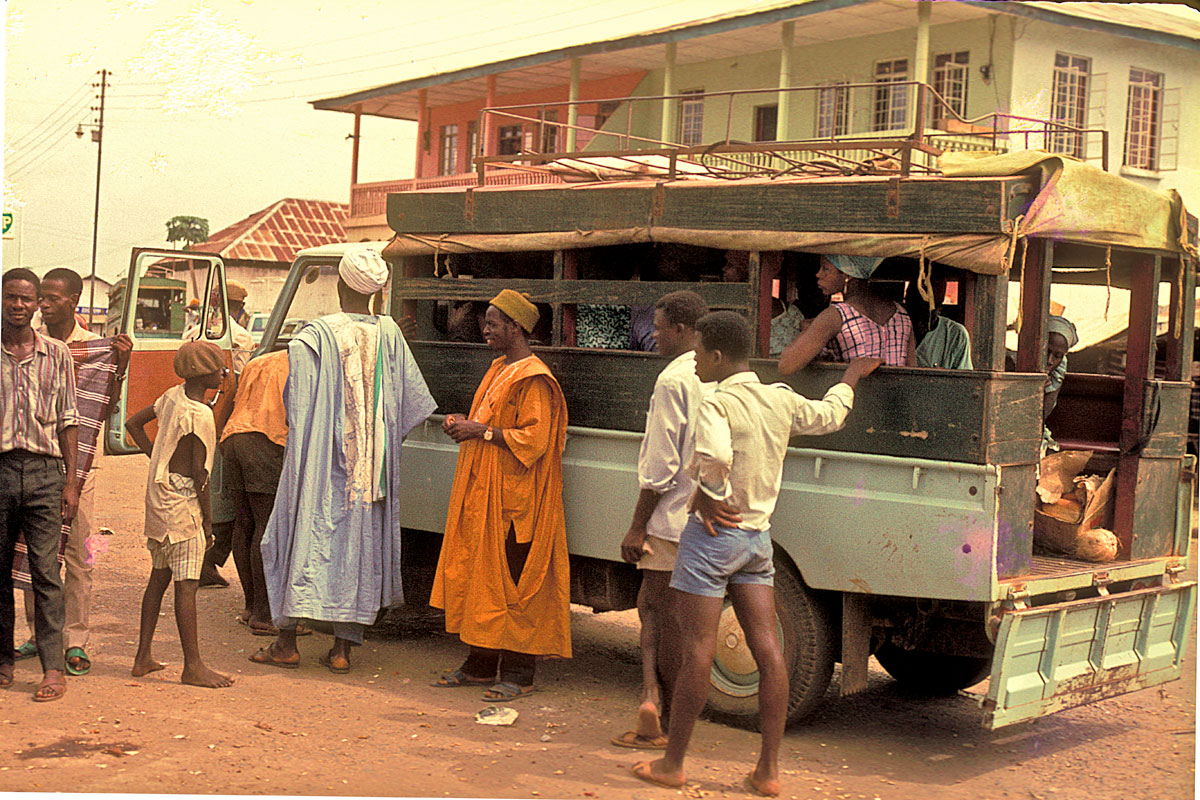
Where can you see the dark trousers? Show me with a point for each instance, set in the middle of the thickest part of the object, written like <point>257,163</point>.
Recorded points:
<point>31,489</point>
<point>484,662</point>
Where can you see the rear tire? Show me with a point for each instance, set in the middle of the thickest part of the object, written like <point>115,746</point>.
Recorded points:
<point>932,674</point>
<point>808,651</point>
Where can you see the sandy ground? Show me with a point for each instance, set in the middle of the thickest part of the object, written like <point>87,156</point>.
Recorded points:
<point>382,730</point>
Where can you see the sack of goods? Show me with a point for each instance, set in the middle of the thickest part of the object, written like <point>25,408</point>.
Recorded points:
<point>1074,511</point>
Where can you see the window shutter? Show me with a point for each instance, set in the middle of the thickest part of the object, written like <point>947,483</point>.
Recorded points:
<point>1168,153</point>
<point>1097,117</point>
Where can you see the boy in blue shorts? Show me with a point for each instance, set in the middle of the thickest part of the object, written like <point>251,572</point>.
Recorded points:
<point>742,432</point>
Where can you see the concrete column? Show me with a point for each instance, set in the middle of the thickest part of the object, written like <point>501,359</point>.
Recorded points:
<point>423,132</point>
<point>354,146</point>
<point>921,57</point>
<point>787,37</point>
<point>668,106</point>
<point>489,126</point>
<point>572,98</point>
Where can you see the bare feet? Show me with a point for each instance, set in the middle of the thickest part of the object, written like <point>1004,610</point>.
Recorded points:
<point>141,668</point>
<point>648,725</point>
<point>203,676</point>
<point>655,772</point>
<point>767,787</point>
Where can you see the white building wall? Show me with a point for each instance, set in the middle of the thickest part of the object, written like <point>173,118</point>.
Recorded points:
<point>1112,56</point>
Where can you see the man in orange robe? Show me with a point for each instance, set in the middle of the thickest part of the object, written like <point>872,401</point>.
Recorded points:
<point>502,577</point>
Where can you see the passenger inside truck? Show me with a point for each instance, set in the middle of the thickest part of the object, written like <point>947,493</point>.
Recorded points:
<point>864,322</point>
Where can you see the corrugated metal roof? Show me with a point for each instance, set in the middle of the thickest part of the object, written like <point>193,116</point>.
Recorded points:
<point>278,231</point>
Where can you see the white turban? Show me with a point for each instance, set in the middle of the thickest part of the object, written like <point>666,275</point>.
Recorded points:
<point>364,271</point>
<point>1064,328</point>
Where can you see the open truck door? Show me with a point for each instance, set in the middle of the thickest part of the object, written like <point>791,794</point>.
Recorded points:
<point>152,309</point>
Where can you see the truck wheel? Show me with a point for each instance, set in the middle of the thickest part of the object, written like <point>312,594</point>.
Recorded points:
<point>805,630</point>
<point>933,674</point>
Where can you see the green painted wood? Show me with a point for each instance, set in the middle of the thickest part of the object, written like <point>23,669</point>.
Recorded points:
<point>1154,516</point>
<point>1014,520</point>
<point>636,293</point>
<point>1012,418</point>
<point>927,205</point>
<point>898,412</point>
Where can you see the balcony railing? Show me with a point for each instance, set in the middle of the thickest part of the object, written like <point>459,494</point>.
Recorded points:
<point>896,128</point>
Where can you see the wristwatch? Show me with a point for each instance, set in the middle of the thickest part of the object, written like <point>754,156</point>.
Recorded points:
<point>487,434</point>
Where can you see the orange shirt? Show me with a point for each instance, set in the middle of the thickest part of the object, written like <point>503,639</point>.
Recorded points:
<point>258,407</point>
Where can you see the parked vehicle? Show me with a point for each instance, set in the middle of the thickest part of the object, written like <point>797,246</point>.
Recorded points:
<point>909,534</point>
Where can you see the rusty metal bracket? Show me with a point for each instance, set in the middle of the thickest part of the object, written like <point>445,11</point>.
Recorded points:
<point>856,643</point>
<point>469,204</point>
<point>1174,570</point>
<point>1101,580</point>
<point>892,203</point>
<point>1018,597</point>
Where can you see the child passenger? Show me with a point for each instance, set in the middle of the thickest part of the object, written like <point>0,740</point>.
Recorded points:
<point>178,514</point>
<point>742,431</point>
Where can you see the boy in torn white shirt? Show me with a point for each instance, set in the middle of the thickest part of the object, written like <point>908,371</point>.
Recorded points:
<point>742,432</point>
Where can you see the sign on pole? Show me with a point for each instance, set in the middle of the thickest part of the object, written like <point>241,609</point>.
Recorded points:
<point>8,225</point>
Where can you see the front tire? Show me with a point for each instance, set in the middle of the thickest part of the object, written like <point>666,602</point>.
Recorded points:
<point>804,628</point>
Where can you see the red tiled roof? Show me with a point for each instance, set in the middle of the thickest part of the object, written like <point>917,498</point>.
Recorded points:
<point>277,232</point>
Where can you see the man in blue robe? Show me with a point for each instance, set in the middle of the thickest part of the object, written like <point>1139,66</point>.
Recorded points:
<point>331,551</point>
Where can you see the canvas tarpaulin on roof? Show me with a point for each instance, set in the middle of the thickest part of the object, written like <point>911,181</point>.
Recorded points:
<point>1076,202</point>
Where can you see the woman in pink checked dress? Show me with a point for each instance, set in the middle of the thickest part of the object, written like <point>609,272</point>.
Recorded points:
<point>864,324</point>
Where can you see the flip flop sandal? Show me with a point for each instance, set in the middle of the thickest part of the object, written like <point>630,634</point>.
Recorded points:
<point>453,680</point>
<point>642,770</point>
<point>241,618</point>
<point>637,741</point>
<point>26,650</point>
<point>327,661</point>
<point>58,689</point>
<point>257,631</point>
<point>6,677</point>
<point>505,691</point>
<point>266,658</point>
<point>78,652</point>
<point>303,630</point>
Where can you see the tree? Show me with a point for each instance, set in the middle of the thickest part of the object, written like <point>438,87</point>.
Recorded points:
<point>191,230</point>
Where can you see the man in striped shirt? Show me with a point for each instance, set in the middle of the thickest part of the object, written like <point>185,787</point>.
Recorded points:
<point>38,485</point>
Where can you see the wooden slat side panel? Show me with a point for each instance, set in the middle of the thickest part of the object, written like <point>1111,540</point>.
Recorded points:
<point>635,293</point>
<point>1168,406</point>
<point>948,205</point>
<point>1153,509</point>
<point>1014,538</point>
<point>1013,422</point>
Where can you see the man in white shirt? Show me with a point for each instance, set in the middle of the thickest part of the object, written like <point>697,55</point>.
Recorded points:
<point>741,436</point>
<point>661,510</point>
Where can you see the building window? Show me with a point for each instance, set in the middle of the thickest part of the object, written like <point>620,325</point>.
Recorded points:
<point>472,143</point>
<point>691,118</point>
<point>448,150</point>
<point>766,122</point>
<point>1068,102</point>
<point>510,140</point>
<point>891,102</point>
<point>1143,119</point>
<point>950,81</point>
<point>550,131</point>
<point>832,111</point>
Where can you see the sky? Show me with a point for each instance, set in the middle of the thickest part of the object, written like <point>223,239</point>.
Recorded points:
<point>207,112</point>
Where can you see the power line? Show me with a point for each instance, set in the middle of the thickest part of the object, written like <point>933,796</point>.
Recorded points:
<point>32,159</point>
<point>50,129</point>
<point>76,97</point>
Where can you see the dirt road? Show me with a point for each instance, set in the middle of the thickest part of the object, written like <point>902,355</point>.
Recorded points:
<point>382,730</point>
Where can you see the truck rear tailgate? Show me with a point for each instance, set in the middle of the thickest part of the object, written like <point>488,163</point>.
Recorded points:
<point>1059,656</point>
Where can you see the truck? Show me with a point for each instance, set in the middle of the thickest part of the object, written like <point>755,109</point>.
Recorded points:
<point>909,535</point>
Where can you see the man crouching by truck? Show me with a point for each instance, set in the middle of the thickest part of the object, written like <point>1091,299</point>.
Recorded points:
<point>742,432</point>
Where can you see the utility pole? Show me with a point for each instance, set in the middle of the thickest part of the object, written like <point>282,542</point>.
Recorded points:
<point>98,138</point>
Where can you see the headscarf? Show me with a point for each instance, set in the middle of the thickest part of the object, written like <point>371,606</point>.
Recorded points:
<point>861,267</point>
<point>1063,327</point>
<point>198,358</point>
<point>236,292</point>
<point>518,308</point>
<point>364,270</point>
